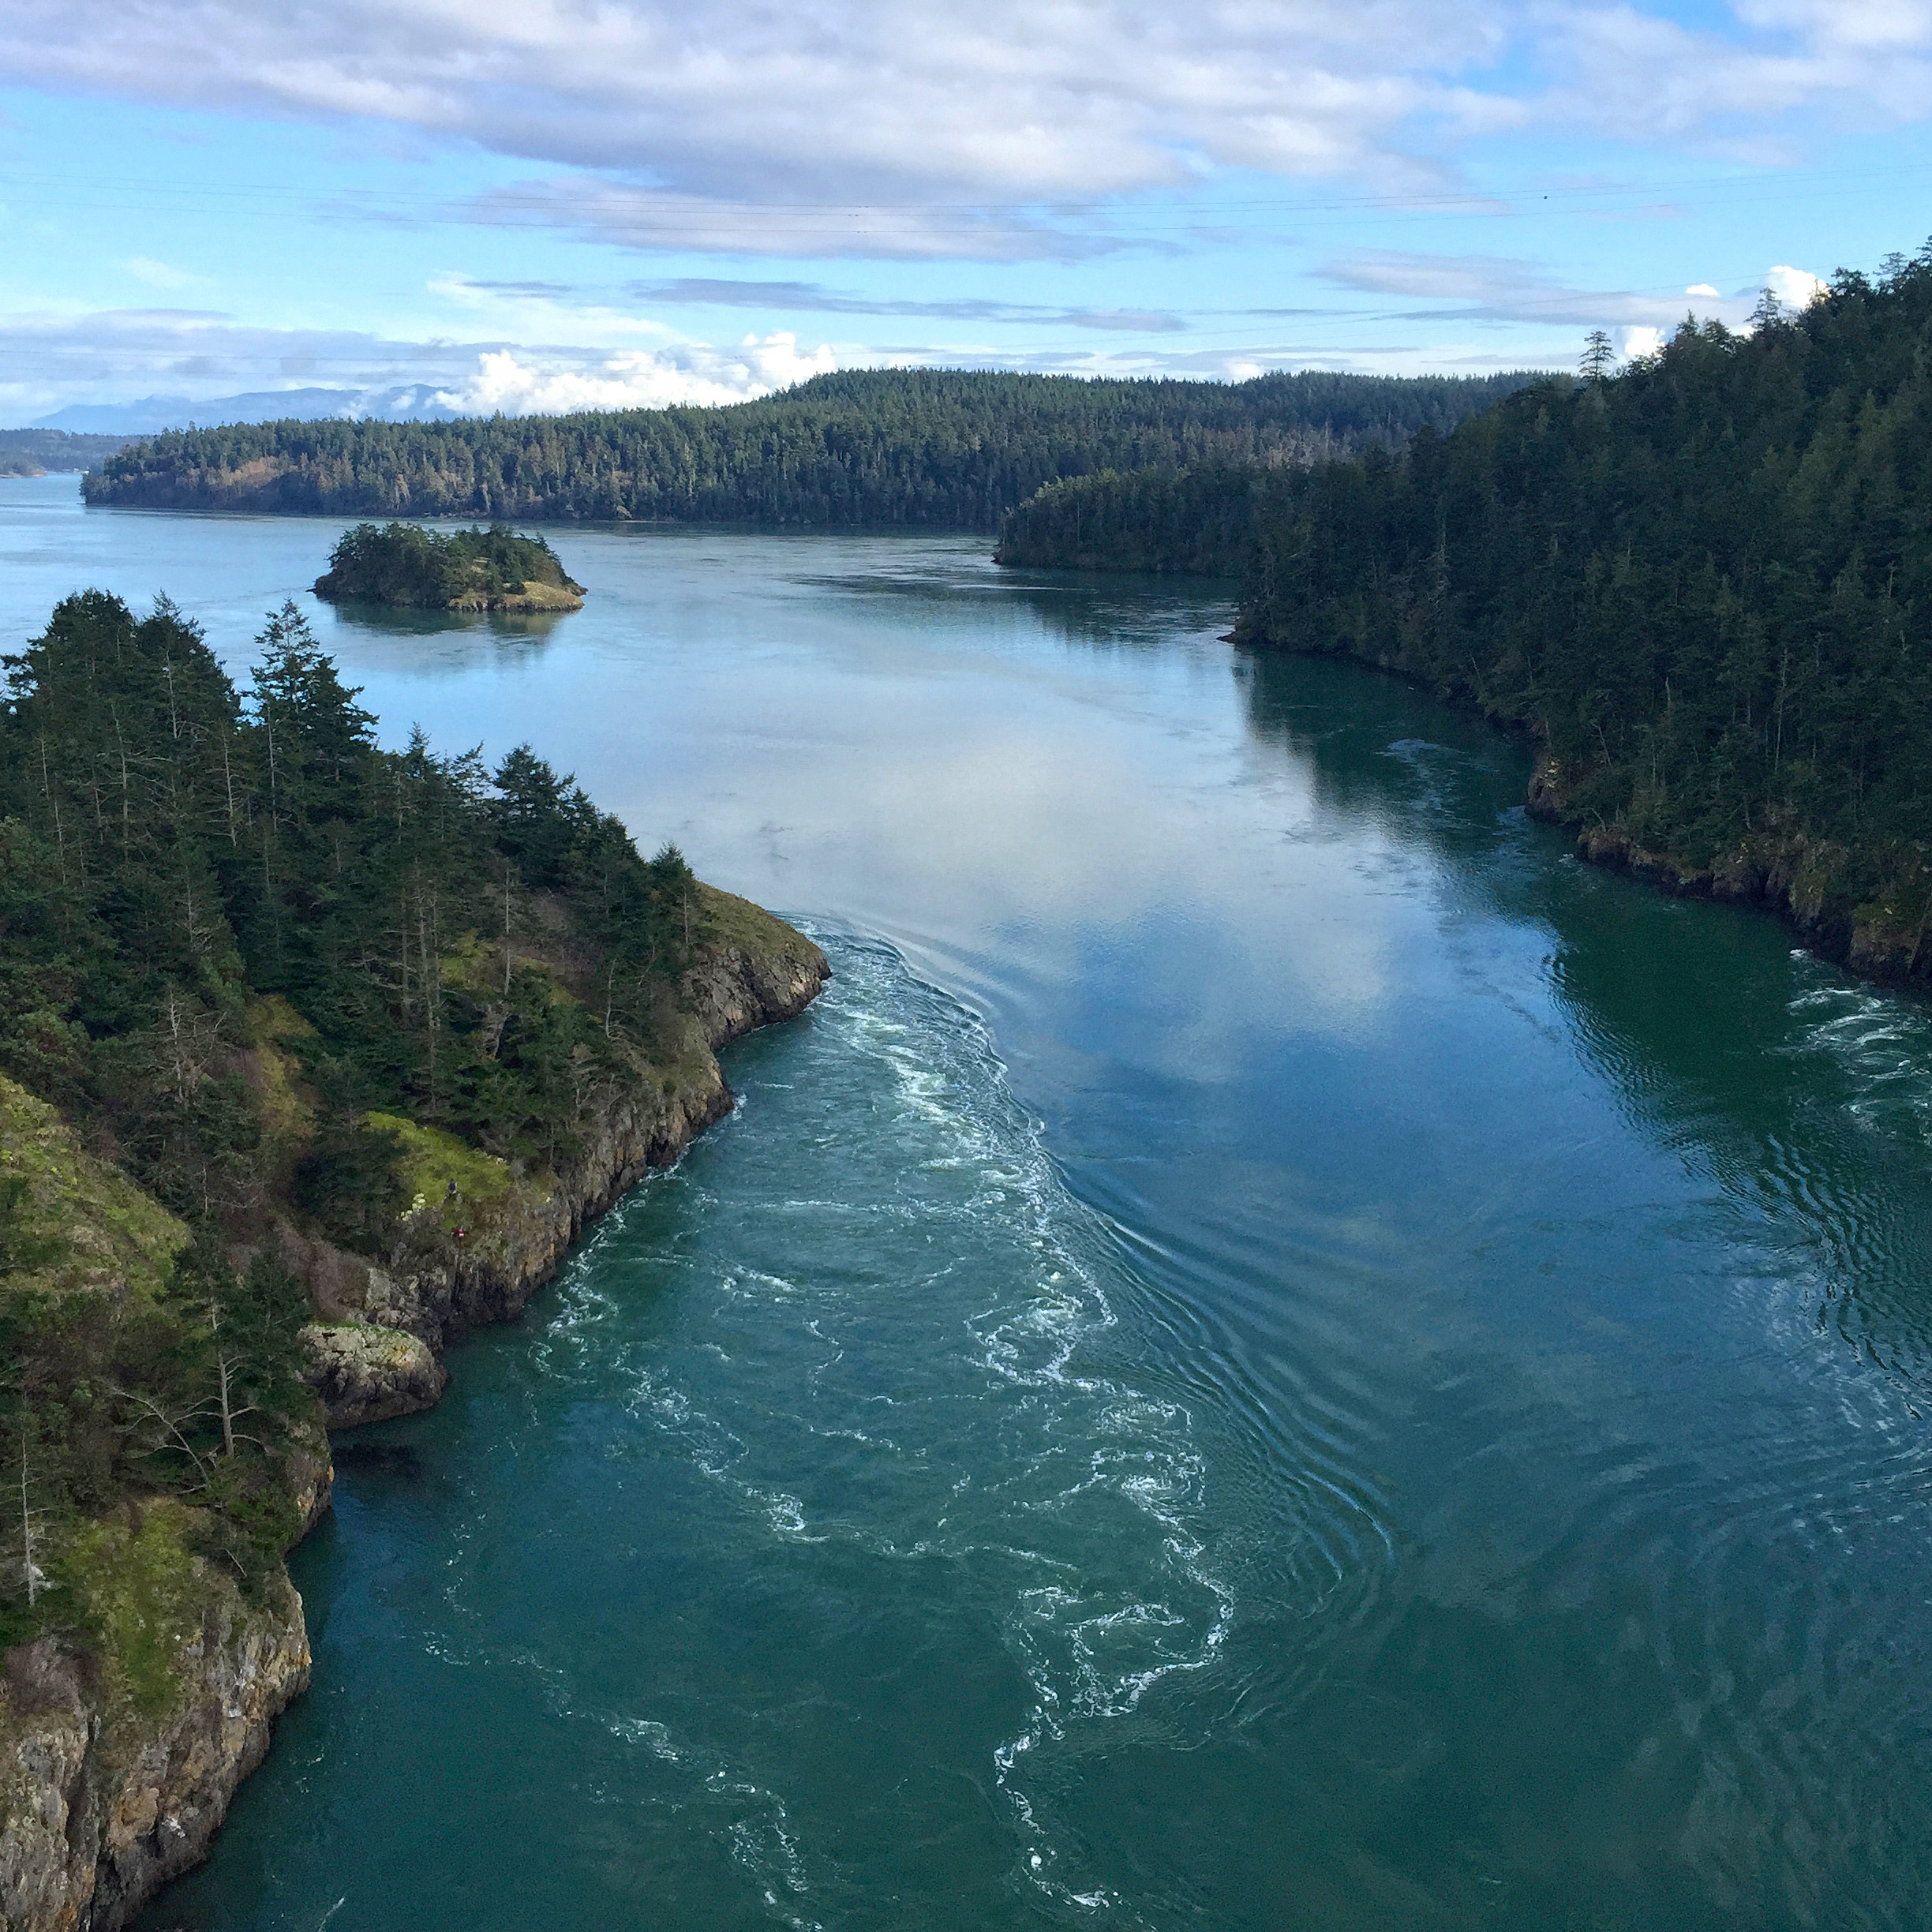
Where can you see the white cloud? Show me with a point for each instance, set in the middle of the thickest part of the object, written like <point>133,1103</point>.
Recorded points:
<point>186,357</point>
<point>895,127</point>
<point>1495,288</point>
<point>1499,288</point>
<point>1883,26</point>
<point>1642,77</point>
<point>158,274</point>
<point>68,355</point>
<point>535,304</point>
<point>1797,288</point>
<point>508,380</point>
<point>656,218</point>
<point>114,355</point>
<point>915,128</point>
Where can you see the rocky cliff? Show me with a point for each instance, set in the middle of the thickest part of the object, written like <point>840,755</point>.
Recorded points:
<point>486,1236</point>
<point>114,1773</point>
<point>123,1739</point>
<point>125,1726</point>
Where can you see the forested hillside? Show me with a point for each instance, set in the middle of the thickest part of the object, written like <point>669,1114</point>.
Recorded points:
<point>879,448</point>
<point>1705,583</point>
<point>283,980</point>
<point>1203,521</point>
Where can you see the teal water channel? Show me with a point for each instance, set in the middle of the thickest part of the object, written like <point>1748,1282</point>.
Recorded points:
<point>1274,1353</point>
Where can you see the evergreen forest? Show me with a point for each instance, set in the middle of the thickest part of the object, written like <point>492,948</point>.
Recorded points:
<point>879,448</point>
<point>276,976</point>
<point>1704,582</point>
<point>403,565</point>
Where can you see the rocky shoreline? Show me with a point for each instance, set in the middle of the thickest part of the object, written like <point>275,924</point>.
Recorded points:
<point>1796,879</point>
<point>106,1796</point>
<point>106,1808</point>
<point>377,1351</point>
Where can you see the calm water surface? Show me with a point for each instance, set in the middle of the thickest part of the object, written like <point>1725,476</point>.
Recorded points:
<point>1273,1353</point>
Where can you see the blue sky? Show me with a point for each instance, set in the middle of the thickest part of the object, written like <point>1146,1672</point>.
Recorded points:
<point>544,204</point>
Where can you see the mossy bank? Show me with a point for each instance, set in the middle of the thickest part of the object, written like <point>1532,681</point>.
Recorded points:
<point>483,1233</point>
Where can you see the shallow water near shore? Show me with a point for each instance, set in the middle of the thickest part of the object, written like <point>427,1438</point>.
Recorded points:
<point>1273,1352</point>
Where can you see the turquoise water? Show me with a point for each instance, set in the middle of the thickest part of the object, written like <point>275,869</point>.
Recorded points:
<point>1273,1352</point>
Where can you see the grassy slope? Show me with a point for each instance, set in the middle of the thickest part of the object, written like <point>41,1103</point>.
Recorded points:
<point>116,1239</point>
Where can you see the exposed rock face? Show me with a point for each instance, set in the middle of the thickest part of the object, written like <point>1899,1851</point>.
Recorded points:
<point>102,1805</point>
<point>367,1374</point>
<point>120,1751</point>
<point>377,1357</point>
<point>109,1788</point>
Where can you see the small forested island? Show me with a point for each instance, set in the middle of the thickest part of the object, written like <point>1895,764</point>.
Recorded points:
<point>313,1056</point>
<point>931,449</point>
<point>407,566</point>
<point>1703,583</point>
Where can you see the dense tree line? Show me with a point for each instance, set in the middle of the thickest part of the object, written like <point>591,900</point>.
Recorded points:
<point>233,930</point>
<point>876,448</point>
<point>1203,521</point>
<point>1705,582</point>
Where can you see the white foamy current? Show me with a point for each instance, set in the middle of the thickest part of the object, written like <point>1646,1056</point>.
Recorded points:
<point>909,1353</point>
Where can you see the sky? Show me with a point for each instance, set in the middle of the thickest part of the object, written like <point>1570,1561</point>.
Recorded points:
<point>546,204</point>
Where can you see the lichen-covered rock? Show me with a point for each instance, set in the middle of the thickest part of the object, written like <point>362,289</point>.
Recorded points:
<point>1545,799</point>
<point>763,971</point>
<point>367,1374</point>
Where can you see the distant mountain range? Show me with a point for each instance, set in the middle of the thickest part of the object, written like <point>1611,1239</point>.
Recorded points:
<point>408,403</point>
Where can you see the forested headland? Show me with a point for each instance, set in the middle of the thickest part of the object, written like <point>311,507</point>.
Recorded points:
<point>879,448</point>
<point>294,1030</point>
<point>1704,582</point>
<point>405,567</point>
<point>1202,521</point>
<point>267,969</point>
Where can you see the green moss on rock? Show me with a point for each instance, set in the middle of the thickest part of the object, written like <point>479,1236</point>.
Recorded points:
<point>430,1159</point>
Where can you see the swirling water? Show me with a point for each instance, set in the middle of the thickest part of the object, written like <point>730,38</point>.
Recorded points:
<point>1273,1352</point>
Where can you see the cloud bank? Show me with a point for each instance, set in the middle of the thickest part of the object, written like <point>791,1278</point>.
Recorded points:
<point>914,129</point>
<point>518,384</point>
<point>1495,288</point>
<point>112,355</point>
